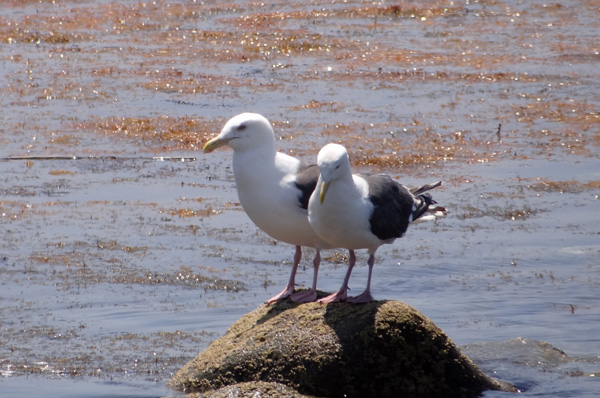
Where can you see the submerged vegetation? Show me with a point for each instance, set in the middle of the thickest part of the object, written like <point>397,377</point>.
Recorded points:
<point>188,52</point>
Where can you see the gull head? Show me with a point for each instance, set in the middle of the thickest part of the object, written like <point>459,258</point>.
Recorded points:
<point>243,132</point>
<point>333,164</point>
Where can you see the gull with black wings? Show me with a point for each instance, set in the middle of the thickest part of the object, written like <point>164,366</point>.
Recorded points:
<point>363,211</point>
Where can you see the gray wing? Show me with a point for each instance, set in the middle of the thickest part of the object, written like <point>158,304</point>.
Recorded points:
<point>393,205</point>
<point>306,181</point>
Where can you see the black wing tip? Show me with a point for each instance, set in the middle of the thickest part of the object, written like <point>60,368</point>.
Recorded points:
<point>424,188</point>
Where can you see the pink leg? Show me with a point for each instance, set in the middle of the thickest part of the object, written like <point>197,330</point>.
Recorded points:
<point>365,297</point>
<point>341,295</point>
<point>309,295</point>
<point>289,289</point>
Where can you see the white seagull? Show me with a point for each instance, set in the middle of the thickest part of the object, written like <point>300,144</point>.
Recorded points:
<point>363,211</point>
<point>274,189</point>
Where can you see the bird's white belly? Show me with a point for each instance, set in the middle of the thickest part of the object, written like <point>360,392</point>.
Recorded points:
<point>285,224</point>
<point>277,212</point>
<point>346,227</point>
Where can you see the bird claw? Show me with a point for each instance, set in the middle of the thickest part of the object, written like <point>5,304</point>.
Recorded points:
<point>306,296</point>
<point>364,297</point>
<point>338,296</point>
<point>289,289</point>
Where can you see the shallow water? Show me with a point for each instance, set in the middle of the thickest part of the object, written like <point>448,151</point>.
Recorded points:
<point>124,250</point>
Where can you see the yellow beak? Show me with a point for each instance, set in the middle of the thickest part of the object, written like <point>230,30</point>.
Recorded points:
<point>323,192</point>
<point>214,144</point>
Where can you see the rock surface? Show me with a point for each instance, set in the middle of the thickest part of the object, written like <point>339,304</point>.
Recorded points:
<point>383,349</point>
<point>252,389</point>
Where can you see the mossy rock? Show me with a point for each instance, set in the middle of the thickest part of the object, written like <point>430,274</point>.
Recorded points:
<point>383,349</point>
<point>252,389</point>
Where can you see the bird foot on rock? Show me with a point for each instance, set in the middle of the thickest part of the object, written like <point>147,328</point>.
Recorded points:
<point>364,297</point>
<point>340,295</point>
<point>289,289</point>
<point>306,296</point>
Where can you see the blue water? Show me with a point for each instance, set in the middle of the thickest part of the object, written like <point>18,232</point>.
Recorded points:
<point>485,281</point>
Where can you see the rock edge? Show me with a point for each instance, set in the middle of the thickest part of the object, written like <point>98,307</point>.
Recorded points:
<point>383,348</point>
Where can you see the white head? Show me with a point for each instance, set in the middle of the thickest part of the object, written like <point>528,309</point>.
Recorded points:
<point>333,164</point>
<point>243,132</point>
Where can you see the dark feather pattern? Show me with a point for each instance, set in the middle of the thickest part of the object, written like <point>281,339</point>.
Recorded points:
<point>306,182</point>
<point>423,199</point>
<point>394,204</point>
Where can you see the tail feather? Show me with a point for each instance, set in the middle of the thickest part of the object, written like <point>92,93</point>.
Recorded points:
<point>423,209</point>
<point>424,188</point>
<point>432,214</point>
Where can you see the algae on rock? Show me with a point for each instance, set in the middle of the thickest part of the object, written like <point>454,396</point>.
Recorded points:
<point>383,348</point>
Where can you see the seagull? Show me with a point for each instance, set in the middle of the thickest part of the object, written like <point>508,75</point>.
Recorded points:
<point>274,189</point>
<point>363,211</point>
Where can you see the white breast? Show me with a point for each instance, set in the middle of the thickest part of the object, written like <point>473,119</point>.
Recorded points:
<point>270,198</point>
<point>343,218</point>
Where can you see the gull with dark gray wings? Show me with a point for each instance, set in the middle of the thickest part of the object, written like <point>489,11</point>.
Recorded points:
<point>363,211</point>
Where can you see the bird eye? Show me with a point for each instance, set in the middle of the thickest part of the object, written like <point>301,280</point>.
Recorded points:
<point>337,167</point>
<point>241,127</point>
